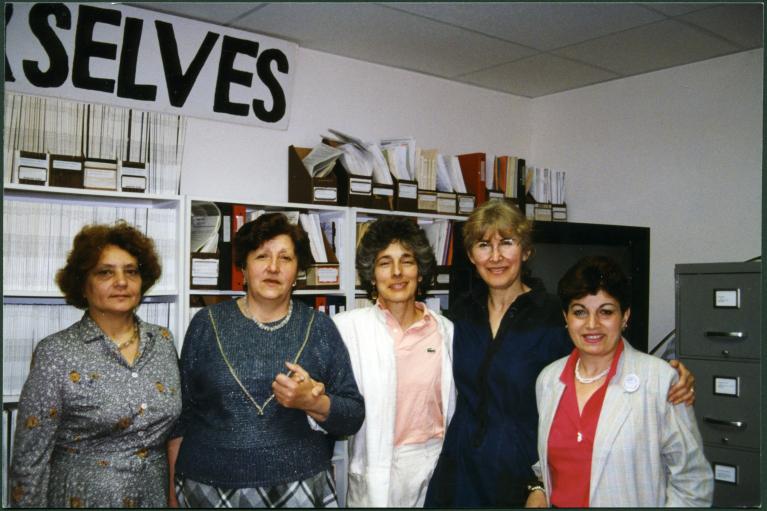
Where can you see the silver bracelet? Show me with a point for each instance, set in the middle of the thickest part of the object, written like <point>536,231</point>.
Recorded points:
<point>532,487</point>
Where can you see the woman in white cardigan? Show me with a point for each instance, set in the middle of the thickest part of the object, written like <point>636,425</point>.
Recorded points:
<point>401,354</point>
<point>607,436</point>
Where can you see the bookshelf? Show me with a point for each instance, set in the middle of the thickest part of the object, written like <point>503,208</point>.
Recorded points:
<point>335,216</point>
<point>39,224</point>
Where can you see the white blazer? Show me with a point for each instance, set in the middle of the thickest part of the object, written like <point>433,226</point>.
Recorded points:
<point>647,452</point>
<point>371,350</point>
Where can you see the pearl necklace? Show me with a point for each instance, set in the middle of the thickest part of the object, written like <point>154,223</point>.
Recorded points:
<point>265,327</point>
<point>133,338</point>
<point>591,379</point>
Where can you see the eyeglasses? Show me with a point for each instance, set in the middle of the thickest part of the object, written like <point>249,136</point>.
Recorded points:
<point>105,273</point>
<point>484,248</point>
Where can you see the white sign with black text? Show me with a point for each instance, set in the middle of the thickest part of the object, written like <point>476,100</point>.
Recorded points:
<point>131,57</point>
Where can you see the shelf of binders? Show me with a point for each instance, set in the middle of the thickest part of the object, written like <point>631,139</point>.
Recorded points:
<point>209,272</point>
<point>39,225</point>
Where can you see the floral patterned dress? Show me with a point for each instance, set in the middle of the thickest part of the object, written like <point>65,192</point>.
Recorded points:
<point>91,428</point>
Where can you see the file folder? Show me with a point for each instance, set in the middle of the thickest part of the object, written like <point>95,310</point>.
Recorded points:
<point>66,171</point>
<point>405,195</point>
<point>305,189</point>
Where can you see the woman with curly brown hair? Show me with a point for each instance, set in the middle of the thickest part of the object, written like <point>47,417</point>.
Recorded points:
<point>401,353</point>
<point>101,396</point>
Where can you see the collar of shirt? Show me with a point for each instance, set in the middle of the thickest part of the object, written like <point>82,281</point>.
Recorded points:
<point>90,332</point>
<point>393,326</point>
<point>568,373</point>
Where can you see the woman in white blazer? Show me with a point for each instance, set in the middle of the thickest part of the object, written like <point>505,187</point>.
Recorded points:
<point>401,354</point>
<point>607,436</point>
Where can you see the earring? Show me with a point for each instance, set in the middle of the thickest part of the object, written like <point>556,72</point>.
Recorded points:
<point>294,283</point>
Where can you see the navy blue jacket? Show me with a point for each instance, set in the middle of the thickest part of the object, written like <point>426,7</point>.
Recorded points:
<point>490,444</point>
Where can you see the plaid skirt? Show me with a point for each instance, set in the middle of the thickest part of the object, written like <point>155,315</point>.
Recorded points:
<point>316,491</point>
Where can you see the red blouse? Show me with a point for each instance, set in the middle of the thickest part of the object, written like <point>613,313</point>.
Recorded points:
<point>571,438</point>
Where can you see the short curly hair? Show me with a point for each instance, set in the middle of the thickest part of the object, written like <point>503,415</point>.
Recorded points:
<point>592,274</point>
<point>255,233</point>
<point>381,233</point>
<point>86,251</point>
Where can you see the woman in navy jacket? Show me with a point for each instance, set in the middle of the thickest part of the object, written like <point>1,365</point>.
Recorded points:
<point>506,331</point>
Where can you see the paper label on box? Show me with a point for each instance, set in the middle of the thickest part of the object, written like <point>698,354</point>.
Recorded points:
<point>725,473</point>
<point>446,206</point>
<point>67,165</point>
<point>408,191</point>
<point>465,204</point>
<point>204,281</point>
<point>327,275</point>
<point>325,194</point>
<point>98,178</point>
<point>32,162</point>
<point>443,278</point>
<point>383,191</point>
<point>427,197</point>
<point>360,186</point>
<point>204,267</point>
<point>134,182</point>
<point>32,173</point>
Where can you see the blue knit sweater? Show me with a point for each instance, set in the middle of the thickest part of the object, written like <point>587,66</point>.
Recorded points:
<point>226,443</point>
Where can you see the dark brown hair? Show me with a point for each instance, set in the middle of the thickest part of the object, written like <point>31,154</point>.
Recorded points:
<point>591,275</point>
<point>266,227</point>
<point>86,251</point>
<point>380,235</point>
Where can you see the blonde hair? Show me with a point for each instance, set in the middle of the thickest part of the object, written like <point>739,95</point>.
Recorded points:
<point>502,216</point>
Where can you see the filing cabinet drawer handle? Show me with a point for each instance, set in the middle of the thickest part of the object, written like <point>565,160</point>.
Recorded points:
<point>736,335</point>
<point>720,422</point>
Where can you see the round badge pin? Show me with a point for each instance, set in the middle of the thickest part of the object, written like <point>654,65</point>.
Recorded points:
<point>631,382</point>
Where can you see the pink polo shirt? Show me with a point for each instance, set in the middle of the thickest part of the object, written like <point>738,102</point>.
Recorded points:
<point>418,355</point>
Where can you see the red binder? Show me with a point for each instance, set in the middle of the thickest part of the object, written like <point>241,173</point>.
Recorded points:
<point>238,219</point>
<point>473,170</point>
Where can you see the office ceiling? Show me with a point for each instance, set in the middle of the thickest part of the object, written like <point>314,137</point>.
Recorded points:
<point>529,49</point>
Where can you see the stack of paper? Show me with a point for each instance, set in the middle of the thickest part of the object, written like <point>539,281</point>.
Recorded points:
<point>401,156</point>
<point>321,160</point>
<point>311,224</point>
<point>547,186</point>
<point>362,158</point>
<point>206,222</point>
<point>426,168</point>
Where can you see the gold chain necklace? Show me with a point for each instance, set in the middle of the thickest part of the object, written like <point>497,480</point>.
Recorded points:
<point>133,338</point>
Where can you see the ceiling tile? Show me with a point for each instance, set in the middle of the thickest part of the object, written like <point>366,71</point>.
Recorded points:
<point>656,46</point>
<point>539,25</point>
<point>537,76</point>
<point>220,13</point>
<point>377,34</point>
<point>676,8</point>
<point>742,24</point>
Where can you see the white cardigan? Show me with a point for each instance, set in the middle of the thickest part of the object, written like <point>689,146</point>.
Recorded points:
<point>371,350</point>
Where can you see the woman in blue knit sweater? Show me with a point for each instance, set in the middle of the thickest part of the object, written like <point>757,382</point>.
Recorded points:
<point>266,386</point>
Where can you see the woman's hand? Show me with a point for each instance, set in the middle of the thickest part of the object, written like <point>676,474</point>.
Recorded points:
<point>536,499</point>
<point>682,391</point>
<point>298,390</point>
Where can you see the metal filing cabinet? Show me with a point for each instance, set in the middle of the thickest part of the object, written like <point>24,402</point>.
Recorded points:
<point>718,308</point>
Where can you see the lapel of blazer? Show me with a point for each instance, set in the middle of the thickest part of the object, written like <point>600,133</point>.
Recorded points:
<point>615,411</point>
<point>546,417</point>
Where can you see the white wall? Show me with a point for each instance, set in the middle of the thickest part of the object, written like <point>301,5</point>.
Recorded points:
<point>678,150</point>
<point>233,162</point>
